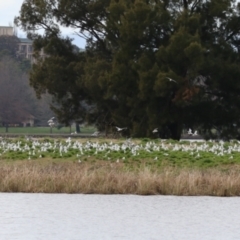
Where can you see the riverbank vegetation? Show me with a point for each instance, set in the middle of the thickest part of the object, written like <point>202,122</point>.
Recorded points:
<point>139,166</point>
<point>114,178</point>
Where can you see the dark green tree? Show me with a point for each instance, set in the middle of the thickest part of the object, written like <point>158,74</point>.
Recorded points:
<point>133,48</point>
<point>60,72</point>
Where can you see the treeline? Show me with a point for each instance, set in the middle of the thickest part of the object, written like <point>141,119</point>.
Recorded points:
<point>168,64</point>
<point>18,101</point>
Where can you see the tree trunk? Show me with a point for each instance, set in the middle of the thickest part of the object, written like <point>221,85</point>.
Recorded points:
<point>106,130</point>
<point>185,4</point>
<point>175,130</point>
<point>78,130</point>
<point>6,127</point>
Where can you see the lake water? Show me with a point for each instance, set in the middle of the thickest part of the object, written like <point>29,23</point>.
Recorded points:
<point>103,217</point>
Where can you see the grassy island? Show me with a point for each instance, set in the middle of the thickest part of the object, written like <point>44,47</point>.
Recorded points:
<point>132,166</point>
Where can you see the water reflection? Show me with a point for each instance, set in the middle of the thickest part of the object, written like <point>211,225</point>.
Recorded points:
<point>63,216</point>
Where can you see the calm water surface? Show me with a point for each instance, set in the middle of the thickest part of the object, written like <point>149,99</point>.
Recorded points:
<point>63,216</point>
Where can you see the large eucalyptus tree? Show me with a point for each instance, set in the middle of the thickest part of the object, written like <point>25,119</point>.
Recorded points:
<point>133,48</point>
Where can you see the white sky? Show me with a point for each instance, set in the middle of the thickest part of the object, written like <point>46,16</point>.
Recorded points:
<point>10,8</point>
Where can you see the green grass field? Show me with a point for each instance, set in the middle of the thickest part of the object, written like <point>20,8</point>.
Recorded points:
<point>45,130</point>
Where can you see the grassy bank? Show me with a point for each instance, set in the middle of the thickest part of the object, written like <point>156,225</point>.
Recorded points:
<point>139,166</point>
<point>114,178</point>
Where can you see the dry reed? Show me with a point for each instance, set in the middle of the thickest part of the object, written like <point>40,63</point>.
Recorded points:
<point>106,178</point>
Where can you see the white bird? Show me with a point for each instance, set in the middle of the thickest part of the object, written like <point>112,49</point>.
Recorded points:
<point>95,134</point>
<point>120,129</point>
<point>155,130</point>
<point>171,80</point>
<point>189,131</point>
<point>51,122</point>
<point>195,133</point>
<point>51,119</point>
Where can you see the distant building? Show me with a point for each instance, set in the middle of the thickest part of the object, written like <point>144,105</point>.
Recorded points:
<point>29,121</point>
<point>7,31</point>
<point>25,45</point>
<point>25,48</point>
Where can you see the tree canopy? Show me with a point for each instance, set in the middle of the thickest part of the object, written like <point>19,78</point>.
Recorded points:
<point>133,48</point>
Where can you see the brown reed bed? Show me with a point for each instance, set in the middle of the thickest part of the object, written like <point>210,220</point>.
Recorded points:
<point>114,178</point>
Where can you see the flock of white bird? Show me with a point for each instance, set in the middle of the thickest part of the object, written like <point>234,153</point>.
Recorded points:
<point>118,129</point>
<point>37,148</point>
<point>190,132</point>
